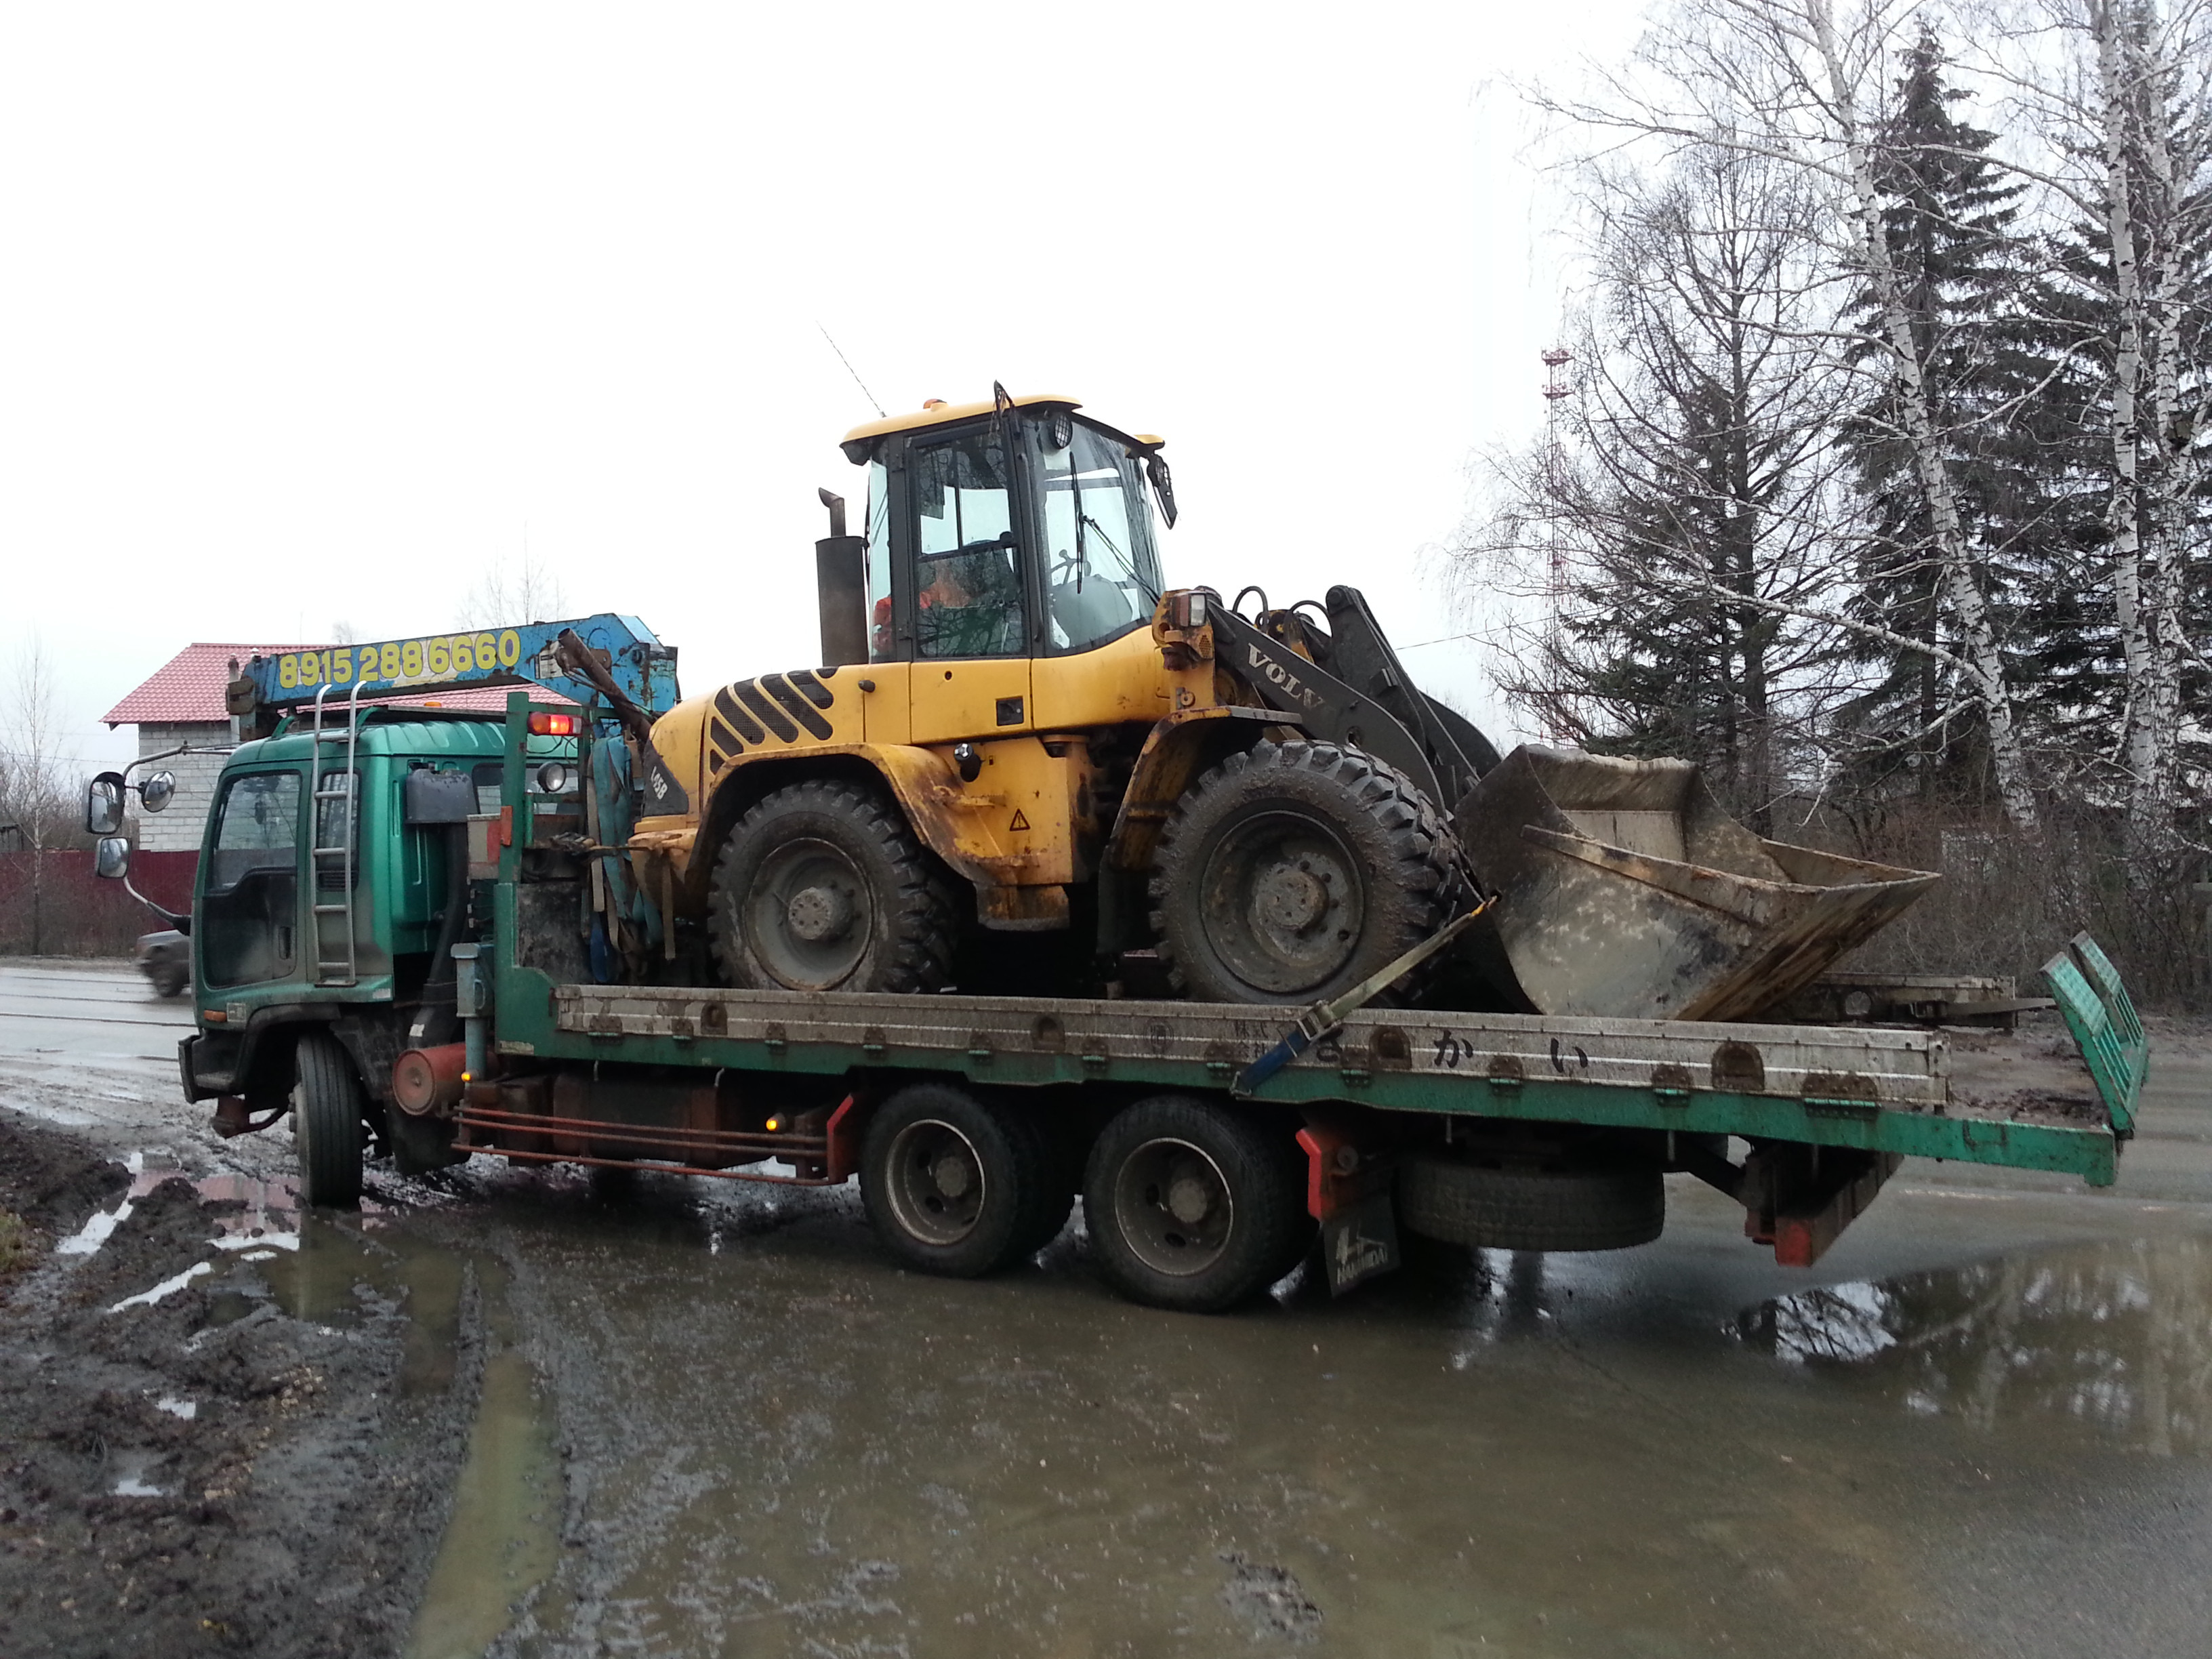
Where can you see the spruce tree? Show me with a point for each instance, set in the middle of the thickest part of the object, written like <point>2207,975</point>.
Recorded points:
<point>1951,217</point>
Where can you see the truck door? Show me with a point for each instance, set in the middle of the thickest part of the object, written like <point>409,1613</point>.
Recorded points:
<point>247,931</point>
<point>971,607</point>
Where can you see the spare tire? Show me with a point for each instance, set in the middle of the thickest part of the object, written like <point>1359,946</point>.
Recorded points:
<point>1572,1207</point>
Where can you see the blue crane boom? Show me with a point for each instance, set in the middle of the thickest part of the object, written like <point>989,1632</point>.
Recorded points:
<point>640,667</point>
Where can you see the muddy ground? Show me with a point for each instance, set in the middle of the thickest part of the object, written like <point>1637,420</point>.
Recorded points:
<point>522,1412</point>
<point>208,1471</point>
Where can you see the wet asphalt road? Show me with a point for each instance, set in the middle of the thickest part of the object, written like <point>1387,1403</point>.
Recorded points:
<point>1983,1425</point>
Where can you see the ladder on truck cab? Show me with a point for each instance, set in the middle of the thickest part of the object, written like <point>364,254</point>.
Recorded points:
<point>335,962</point>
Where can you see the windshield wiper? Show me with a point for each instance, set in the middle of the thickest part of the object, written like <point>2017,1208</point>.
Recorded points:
<point>1128,566</point>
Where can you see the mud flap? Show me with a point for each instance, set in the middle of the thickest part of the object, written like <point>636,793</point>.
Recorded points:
<point>1350,1195</point>
<point>1360,1242</point>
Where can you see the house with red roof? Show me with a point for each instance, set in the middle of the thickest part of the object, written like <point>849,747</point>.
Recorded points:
<point>184,706</point>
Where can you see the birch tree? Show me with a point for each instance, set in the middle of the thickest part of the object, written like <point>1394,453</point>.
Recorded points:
<point>1963,262</point>
<point>2121,114</point>
<point>1797,83</point>
<point>36,780</point>
<point>1678,525</point>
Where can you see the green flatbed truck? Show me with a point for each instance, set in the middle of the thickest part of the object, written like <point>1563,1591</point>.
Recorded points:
<point>416,933</point>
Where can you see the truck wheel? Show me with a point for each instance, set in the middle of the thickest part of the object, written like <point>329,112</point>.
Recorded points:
<point>326,1123</point>
<point>1582,1206</point>
<point>956,1188</point>
<point>1191,1206</point>
<point>823,887</point>
<point>1293,870</point>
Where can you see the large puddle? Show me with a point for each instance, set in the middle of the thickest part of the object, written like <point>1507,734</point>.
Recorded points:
<point>784,1445</point>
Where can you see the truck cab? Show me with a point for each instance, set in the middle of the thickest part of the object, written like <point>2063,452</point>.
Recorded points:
<point>331,883</point>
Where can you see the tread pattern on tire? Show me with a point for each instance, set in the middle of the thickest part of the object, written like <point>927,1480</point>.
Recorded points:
<point>920,913</point>
<point>1422,883</point>
<point>1266,1177</point>
<point>1041,1203</point>
<point>1581,1207</point>
<point>327,1123</point>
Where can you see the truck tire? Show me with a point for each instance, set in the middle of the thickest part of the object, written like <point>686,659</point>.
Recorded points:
<point>1292,871</point>
<point>822,886</point>
<point>326,1122</point>
<point>1193,1206</point>
<point>1573,1206</point>
<point>956,1188</point>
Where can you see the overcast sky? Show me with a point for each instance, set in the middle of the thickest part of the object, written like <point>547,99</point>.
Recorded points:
<point>309,316</point>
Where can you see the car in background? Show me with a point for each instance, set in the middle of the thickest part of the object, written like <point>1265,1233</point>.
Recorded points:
<point>165,959</point>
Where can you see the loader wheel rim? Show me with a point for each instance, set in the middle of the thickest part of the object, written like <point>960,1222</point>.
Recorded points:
<point>1172,1207</point>
<point>1282,901</point>
<point>810,914</point>
<point>937,1186</point>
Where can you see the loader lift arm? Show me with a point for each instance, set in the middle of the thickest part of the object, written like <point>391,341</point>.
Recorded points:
<point>1347,686</point>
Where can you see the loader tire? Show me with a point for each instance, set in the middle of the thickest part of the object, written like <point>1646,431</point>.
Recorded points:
<point>822,886</point>
<point>1575,1206</point>
<point>1293,870</point>
<point>326,1122</point>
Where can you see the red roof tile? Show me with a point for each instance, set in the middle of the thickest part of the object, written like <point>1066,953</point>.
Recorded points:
<point>190,687</point>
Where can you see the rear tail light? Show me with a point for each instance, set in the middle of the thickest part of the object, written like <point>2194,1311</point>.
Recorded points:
<point>542,725</point>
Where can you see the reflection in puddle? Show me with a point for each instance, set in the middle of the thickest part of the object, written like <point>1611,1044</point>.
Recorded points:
<point>2116,1335</point>
<point>502,1540</point>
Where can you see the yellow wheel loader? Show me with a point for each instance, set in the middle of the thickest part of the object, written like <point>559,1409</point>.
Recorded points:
<point>1015,727</point>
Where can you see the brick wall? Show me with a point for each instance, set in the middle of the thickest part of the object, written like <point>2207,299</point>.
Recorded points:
<point>178,827</point>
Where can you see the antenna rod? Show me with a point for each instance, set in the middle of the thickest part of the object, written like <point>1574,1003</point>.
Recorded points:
<point>849,369</point>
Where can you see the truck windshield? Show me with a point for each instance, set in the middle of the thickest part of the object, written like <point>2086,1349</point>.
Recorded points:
<point>1101,574</point>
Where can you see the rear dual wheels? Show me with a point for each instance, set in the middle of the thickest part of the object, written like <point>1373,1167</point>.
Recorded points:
<point>1194,1207</point>
<point>954,1186</point>
<point>1190,1205</point>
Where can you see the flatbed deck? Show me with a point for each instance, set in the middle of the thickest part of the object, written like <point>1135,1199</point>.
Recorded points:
<point>1974,1096</point>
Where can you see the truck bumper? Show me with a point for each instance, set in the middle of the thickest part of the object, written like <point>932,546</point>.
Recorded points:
<point>208,1064</point>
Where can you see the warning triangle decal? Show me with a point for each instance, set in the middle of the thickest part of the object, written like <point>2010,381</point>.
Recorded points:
<point>1020,823</point>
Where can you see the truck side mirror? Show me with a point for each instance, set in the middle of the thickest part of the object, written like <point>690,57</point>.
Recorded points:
<point>103,805</point>
<point>157,790</point>
<point>111,857</point>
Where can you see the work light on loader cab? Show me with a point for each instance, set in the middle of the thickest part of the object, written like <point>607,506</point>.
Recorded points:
<point>542,725</point>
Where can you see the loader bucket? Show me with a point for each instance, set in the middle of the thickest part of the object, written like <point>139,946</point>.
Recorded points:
<point>1623,888</point>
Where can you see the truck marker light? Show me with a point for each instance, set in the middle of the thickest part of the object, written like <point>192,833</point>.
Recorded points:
<point>774,1124</point>
<point>542,725</point>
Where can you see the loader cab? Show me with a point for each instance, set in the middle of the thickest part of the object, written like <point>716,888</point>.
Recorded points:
<point>1014,529</point>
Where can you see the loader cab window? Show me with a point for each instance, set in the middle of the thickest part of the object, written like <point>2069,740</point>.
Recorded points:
<point>1102,574</point>
<point>250,901</point>
<point>881,642</point>
<point>968,587</point>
